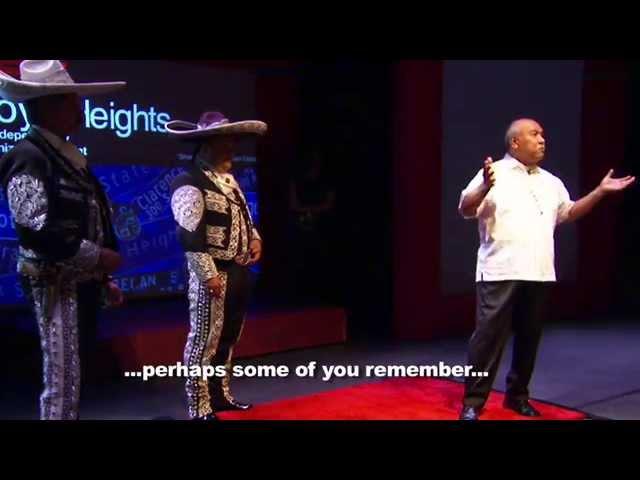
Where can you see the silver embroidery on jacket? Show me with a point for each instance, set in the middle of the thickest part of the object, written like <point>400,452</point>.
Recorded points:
<point>187,206</point>
<point>216,201</point>
<point>244,245</point>
<point>28,201</point>
<point>232,250</point>
<point>216,235</point>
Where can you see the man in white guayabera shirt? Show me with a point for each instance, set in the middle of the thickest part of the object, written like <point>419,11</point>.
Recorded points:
<point>518,206</point>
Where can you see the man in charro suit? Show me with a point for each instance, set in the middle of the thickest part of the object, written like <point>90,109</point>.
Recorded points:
<point>216,230</point>
<point>66,243</point>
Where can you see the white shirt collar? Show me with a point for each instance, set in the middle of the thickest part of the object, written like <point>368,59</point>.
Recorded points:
<point>515,163</point>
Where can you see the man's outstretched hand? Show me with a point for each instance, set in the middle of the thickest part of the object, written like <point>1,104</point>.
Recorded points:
<point>610,184</point>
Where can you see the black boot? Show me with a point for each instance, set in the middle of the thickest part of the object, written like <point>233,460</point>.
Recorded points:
<point>469,413</point>
<point>522,407</point>
<point>209,417</point>
<point>221,402</point>
<point>231,404</point>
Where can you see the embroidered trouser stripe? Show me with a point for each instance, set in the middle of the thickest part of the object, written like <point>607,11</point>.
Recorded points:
<point>56,312</point>
<point>206,318</point>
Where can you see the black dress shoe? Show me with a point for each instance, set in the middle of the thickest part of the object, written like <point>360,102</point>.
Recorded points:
<point>469,413</point>
<point>209,417</point>
<point>228,405</point>
<point>521,407</point>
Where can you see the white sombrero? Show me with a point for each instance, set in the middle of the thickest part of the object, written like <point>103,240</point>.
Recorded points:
<point>214,123</point>
<point>40,78</point>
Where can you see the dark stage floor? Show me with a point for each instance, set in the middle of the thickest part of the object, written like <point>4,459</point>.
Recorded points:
<point>594,368</point>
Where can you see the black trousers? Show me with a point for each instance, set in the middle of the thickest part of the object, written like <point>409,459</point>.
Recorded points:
<point>216,326</point>
<point>503,308</point>
<point>89,307</point>
<point>236,305</point>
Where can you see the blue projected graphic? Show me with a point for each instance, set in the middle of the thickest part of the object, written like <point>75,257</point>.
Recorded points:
<point>122,121</point>
<point>125,121</point>
<point>124,138</point>
<point>10,290</point>
<point>142,219</point>
<point>140,196</point>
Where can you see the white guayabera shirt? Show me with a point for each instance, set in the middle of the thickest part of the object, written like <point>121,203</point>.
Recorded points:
<point>517,221</point>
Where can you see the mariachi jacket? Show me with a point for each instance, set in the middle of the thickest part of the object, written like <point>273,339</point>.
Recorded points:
<point>62,216</point>
<point>214,227</point>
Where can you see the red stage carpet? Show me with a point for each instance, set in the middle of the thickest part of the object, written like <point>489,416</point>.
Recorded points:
<point>397,399</point>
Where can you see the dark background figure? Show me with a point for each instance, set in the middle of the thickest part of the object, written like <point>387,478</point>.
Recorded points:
<point>312,224</point>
